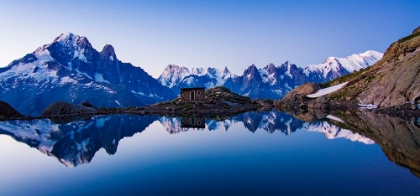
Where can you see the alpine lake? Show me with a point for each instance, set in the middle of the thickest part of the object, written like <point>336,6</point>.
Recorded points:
<point>254,153</point>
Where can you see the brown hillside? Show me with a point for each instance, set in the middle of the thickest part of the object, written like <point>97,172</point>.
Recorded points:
<point>392,81</point>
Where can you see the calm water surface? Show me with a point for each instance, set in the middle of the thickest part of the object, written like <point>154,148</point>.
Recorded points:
<point>269,153</point>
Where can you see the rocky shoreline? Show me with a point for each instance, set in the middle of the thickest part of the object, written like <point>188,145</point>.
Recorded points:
<point>219,102</point>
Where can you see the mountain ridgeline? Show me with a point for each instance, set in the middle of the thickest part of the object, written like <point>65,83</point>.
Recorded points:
<point>69,69</point>
<point>271,81</point>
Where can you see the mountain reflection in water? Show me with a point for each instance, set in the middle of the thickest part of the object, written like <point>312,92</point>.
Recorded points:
<point>75,143</point>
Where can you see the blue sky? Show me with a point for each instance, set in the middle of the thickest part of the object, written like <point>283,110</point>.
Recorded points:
<point>236,34</point>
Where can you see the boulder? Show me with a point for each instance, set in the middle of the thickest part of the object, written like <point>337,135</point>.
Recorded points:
<point>7,111</point>
<point>297,97</point>
<point>301,91</point>
<point>63,108</point>
<point>87,104</point>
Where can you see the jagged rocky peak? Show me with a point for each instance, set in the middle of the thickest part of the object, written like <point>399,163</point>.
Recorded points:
<point>108,51</point>
<point>251,70</point>
<point>270,66</point>
<point>172,68</point>
<point>226,70</point>
<point>287,64</point>
<point>174,71</point>
<point>72,40</point>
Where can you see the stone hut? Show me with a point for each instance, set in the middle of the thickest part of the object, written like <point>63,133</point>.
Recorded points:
<point>192,94</point>
<point>193,122</point>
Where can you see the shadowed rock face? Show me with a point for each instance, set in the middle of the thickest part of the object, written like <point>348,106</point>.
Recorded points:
<point>398,138</point>
<point>7,111</point>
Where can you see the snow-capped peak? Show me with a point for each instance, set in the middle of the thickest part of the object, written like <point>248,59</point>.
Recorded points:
<point>198,71</point>
<point>350,63</point>
<point>71,39</point>
<point>172,75</point>
<point>64,36</point>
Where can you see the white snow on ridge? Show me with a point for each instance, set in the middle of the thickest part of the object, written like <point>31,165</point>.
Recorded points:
<point>328,90</point>
<point>65,80</point>
<point>172,75</point>
<point>36,70</point>
<point>267,77</point>
<point>351,63</point>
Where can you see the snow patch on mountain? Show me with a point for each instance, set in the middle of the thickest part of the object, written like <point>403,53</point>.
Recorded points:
<point>328,90</point>
<point>100,78</point>
<point>35,70</point>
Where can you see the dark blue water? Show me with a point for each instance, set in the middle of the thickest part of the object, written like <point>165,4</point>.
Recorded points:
<point>269,153</point>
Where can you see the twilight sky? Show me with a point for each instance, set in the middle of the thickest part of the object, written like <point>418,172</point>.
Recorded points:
<point>213,33</point>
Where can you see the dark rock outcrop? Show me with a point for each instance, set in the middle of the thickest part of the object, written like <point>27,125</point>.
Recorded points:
<point>218,100</point>
<point>63,108</point>
<point>87,104</point>
<point>7,111</point>
<point>297,98</point>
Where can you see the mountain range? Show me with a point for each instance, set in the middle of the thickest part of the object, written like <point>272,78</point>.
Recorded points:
<point>271,81</point>
<point>69,69</point>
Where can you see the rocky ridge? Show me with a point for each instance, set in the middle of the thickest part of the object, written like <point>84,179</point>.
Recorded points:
<point>392,84</point>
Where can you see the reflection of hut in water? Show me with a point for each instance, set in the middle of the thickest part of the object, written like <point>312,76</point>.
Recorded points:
<point>192,94</point>
<point>193,122</point>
